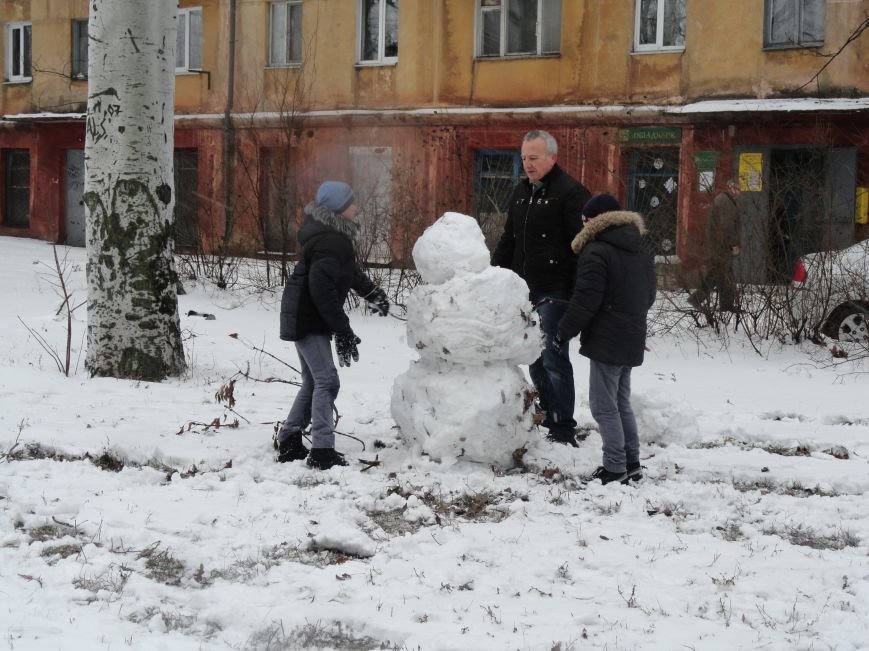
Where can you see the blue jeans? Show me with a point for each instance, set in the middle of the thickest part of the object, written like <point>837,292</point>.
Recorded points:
<point>315,402</point>
<point>552,373</point>
<point>609,397</point>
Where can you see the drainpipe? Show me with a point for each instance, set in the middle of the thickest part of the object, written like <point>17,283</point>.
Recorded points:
<point>228,130</point>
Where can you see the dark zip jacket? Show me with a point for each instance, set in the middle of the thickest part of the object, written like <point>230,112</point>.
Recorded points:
<point>615,287</point>
<point>313,298</point>
<point>541,223</point>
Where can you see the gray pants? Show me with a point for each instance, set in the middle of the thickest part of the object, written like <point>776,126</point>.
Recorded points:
<point>315,402</point>
<point>609,396</point>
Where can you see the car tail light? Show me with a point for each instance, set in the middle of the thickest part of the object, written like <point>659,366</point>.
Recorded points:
<point>800,274</point>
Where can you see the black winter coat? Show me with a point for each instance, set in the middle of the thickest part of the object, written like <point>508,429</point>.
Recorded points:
<point>615,287</point>
<point>541,224</point>
<point>313,298</point>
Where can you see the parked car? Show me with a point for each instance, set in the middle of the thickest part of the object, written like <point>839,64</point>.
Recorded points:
<point>833,292</point>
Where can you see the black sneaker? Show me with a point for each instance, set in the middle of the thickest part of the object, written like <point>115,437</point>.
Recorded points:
<point>635,471</point>
<point>325,458</point>
<point>606,476</point>
<point>292,448</point>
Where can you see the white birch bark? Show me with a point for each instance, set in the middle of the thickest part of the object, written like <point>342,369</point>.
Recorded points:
<point>133,324</point>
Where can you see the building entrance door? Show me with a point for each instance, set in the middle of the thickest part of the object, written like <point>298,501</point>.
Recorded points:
<point>75,212</point>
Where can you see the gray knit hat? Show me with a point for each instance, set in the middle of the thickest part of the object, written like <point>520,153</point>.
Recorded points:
<point>335,195</point>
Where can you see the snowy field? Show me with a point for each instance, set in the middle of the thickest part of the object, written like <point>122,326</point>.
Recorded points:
<point>128,520</point>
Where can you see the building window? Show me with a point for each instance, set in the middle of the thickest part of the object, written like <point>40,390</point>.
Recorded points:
<point>16,188</point>
<point>653,191</point>
<point>280,200</point>
<point>518,27</point>
<point>497,173</point>
<point>285,33</point>
<point>188,47</point>
<point>186,199</point>
<point>794,23</point>
<point>80,49</point>
<point>372,184</point>
<point>378,31</point>
<point>18,52</point>
<point>660,25</point>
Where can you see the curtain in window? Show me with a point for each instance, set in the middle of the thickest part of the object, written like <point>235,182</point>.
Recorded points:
<point>812,27</point>
<point>782,21</point>
<point>294,31</point>
<point>195,59</point>
<point>550,35</point>
<point>181,41</point>
<point>371,12</point>
<point>390,36</point>
<point>278,34</point>
<point>490,38</point>
<point>522,26</point>
<point>648,22</point>
<point>674,23</point>
<point>27,51</point>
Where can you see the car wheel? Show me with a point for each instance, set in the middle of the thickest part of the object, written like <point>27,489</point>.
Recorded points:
<point>848,322</point>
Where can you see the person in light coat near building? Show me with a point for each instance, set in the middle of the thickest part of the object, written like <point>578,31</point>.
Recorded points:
<point>722,246</point>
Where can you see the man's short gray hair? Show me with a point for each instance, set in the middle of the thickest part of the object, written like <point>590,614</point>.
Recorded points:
<point>549,143</point>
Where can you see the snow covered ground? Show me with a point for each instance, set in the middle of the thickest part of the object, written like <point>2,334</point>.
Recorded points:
<point>127,521</point>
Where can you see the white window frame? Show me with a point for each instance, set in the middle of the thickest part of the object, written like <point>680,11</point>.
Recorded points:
<point>381,57</point>
<point>187,12</point>
<point>657,46</point>
<point>11,28</point>
<point>289,37</point>
<point>545,10</point>
<point>797,42</point>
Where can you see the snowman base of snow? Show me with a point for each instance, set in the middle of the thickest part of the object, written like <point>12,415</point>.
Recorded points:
<point>474,414</point>
<point>472,324</point>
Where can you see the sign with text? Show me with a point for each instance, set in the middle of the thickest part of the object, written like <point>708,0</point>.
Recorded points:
<point>651,136</point>
<point>751,172</point>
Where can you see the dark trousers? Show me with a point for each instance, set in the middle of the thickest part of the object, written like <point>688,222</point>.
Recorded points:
<point>719,276</point>
<point>552,373</point>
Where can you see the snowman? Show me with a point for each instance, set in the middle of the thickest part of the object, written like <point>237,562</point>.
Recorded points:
<point>472,325</point>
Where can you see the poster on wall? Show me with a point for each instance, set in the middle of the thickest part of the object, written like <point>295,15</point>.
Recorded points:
<point>750,172</point>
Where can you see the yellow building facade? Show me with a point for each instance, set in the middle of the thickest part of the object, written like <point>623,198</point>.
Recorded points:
<point>422,104</point>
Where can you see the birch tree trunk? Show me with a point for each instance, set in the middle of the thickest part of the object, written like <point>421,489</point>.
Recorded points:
<point>133,325</point>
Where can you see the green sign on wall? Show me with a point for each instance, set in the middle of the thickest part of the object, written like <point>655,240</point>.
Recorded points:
<point>706,159</point>
<point>651,136</point>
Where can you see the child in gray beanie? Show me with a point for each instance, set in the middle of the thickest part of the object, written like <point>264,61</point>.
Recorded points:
<point>312,310</point>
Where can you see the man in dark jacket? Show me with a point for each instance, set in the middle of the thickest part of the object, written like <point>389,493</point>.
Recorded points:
<point>615,287</point>
<point>312,309</point>
<point>722,247</point>
<point>543,217</point>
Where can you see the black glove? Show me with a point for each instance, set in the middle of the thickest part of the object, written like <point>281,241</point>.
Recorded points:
<point>558,343</point>
<point>377,302</point>
<point>345,346</point>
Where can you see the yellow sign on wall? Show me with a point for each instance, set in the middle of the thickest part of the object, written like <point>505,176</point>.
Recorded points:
<point>750,172</point>
<point>861,212</point>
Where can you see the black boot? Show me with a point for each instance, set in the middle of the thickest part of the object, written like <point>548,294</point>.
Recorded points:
<point>291,448</point>
<point>635,471</point>
<point>325,458</point>
<point>605,476</point>
<point>564,438</point>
